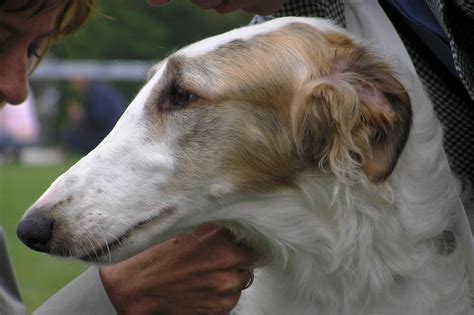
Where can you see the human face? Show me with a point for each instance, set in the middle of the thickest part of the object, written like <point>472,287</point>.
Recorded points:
<point>23,38</point>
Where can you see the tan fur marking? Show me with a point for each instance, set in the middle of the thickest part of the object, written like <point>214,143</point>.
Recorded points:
<point>264,73</point>
<point>285,102</point>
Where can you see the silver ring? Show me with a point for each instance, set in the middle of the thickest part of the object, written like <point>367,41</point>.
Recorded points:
<point>250,280</point>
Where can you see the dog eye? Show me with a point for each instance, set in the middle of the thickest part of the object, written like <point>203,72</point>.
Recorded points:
<point>180,97</point>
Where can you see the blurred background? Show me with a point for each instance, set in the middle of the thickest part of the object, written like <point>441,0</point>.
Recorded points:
<point>77,94</point>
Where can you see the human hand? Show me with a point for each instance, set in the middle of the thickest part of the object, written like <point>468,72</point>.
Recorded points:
<point>262,7</point>
<point>199,273</point>
<point>158,3</point>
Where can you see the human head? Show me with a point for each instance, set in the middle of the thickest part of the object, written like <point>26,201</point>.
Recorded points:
<point>27,27</point>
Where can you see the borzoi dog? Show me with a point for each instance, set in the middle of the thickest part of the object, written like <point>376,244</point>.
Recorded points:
<point>300,140</point>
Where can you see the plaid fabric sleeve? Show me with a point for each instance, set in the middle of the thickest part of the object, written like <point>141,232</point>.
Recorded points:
<point>467,6</point>
<point>328,9</point>
<point>456,18</point>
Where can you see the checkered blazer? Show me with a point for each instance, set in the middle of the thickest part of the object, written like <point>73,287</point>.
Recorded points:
<point>453,102</point>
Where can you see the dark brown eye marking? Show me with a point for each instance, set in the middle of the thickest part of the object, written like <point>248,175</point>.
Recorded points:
<point>178,98</point>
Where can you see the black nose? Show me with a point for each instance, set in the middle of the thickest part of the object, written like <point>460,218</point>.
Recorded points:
<point>35,230</point>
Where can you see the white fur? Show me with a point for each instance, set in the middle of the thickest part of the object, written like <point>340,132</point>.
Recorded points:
<point>333,248</point>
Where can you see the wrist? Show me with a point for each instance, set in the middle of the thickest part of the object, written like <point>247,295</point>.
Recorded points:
<point>114,288</point>
<point>125,294</point>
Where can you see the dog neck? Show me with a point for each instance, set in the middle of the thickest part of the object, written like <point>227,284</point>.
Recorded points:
<point>320,227</point>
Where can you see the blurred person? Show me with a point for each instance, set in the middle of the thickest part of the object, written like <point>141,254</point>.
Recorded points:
<point>137,285</point>
<point>19,127</point>
<point>48,108</point>
<point>90,121</point>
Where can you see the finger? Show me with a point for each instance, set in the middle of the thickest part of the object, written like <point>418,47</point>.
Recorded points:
<point>199,302</point>
<point>264,7</point>
<point>224,253</point>
<point>207,4</point>
<point>211,283</point>
<point>248,280</point>
<point>249,259</point>
<point>158,3</point>
<point>231,6</point>
<point>224,282</point>
<point>219,282</point>
<point>218,304</point>
<point>257,10</point>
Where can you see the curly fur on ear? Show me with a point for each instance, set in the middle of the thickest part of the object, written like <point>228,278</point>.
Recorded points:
<point>353,118</point>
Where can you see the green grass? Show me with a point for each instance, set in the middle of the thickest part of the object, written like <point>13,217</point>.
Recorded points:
<point>39,276</point>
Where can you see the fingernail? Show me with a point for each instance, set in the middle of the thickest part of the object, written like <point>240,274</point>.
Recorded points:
<point>221,7</point>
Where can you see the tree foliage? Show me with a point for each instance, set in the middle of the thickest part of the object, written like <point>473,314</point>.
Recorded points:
<point>131,29</point>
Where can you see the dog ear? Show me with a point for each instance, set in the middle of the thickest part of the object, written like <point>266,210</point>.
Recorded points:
<point>353,118</point>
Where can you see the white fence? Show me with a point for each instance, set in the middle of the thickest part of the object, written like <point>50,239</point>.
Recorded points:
<point>115,70</point>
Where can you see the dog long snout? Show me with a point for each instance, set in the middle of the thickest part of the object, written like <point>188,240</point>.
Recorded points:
<point>36,230</point>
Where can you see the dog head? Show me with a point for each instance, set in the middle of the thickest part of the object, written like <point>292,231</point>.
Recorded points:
<point>246,112</point>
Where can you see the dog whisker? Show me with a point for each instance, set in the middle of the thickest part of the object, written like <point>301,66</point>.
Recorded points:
<point>92,248</point>
<point>102,234</point>
<point>97,243</point>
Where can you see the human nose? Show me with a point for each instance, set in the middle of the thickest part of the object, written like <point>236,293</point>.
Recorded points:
<point>14,68</point>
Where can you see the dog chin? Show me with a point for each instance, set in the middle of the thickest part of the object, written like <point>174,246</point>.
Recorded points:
<point>109,257</point>
<point>121,250</point>
<point>130,242</point>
